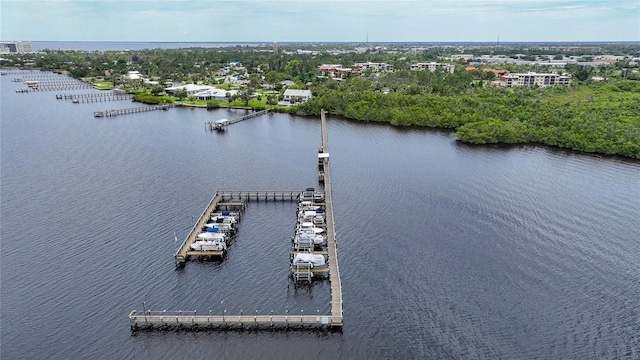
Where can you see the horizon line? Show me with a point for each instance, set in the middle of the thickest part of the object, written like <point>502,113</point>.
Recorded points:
<point>344,41</point>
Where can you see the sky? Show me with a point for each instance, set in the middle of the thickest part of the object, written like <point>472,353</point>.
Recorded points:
<point>320,20</point>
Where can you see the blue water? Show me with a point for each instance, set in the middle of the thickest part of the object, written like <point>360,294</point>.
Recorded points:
<point>446,250</point>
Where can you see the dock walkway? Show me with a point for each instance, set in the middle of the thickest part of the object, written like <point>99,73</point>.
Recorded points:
<point>221,125</point>
<point>134,110</point>
<point>226,200</point>
<point>334,270</point>
<point>236,200</point>
<point>190,318</point>
<point>94,97</point>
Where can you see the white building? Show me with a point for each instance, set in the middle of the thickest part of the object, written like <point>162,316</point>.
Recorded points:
<point>466,57</point>
<point>375,67</point>
<point>432,66</point>
<point>297,95</point>
<point>215,94</point>
<point>534,79</point>
<point>191,89</point>
<point>15,47</point>
<point>132,75</point>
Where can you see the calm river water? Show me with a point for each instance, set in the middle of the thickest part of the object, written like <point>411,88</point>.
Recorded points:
<point>446,251</point>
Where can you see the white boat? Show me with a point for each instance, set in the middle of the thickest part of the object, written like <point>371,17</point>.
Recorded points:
<point>307,195</point>
<point>312,230</point>
<point>308,205</point>
<point>310,213</point>
<point>212,236</point>
<point>209,245</point>
<point>315,260</point>
<point>221,226</point>
<point>303,244</point>
<point>224,219</point>
<point>231,214</point>
<point>306,224</point>
<point>306,238</point>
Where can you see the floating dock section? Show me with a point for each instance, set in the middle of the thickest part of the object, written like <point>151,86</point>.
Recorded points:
<point>235,201</point>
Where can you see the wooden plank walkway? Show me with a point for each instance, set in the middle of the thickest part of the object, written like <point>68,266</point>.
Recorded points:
<point>226,200</point>
<point>174,318</point>
<point>182,255</point>
<point>213,125</point>
<point>237,198</point>
<point>334,270</point>
<point>134,110</point>
<point>259,195</point>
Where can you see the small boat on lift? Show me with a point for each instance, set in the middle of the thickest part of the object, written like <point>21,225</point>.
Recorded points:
<point>313,259</point>
<point>212,234</point>
<point>308,238</point>
<point>209,245</point>
<point>223,227</point>
<point>309,228</point>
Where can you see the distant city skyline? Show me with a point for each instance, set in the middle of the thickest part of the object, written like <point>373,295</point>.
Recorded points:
<point>321,21</point>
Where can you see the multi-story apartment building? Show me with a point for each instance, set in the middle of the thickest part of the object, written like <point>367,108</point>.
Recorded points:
<point>15,47</point>
<point>334,71</point>
<point>533,79</point>
<point>375,67</point>
<point>432,66</point>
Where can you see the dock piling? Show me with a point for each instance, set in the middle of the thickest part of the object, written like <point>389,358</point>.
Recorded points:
<point>236,200</point>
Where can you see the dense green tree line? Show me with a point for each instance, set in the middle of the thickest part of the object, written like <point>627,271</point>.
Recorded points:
<point>608,122</point>
<point>151,99</point>
<point>593,117</point>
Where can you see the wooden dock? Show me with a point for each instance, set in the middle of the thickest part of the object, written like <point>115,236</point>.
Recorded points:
<point>334,270</point>
<point>222,124</point>
<point>134,110</point>
<point>192,319</point>
<point>226,200</point>
<point>94,97</point>
<point>236,199</point>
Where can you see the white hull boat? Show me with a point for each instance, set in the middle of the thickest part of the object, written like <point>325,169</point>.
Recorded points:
<point>305,238</point>
<point>315,260</point>
<point>221,226</point>
<point>310,229</point>
<point>209,245</point>
<point>212,236</point>
<point>224,219</point>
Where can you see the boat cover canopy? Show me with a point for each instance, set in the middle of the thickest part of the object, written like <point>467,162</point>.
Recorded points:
<point>316,260</point>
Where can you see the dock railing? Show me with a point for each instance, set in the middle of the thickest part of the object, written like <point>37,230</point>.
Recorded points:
<point>191,318</point>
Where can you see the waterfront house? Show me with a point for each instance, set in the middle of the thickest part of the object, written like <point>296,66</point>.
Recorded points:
<point>215,94</point>
<point>293,96</point>
<point>191,89</point>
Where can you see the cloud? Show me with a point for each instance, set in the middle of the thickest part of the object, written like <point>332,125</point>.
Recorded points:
<point>319,20</point>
